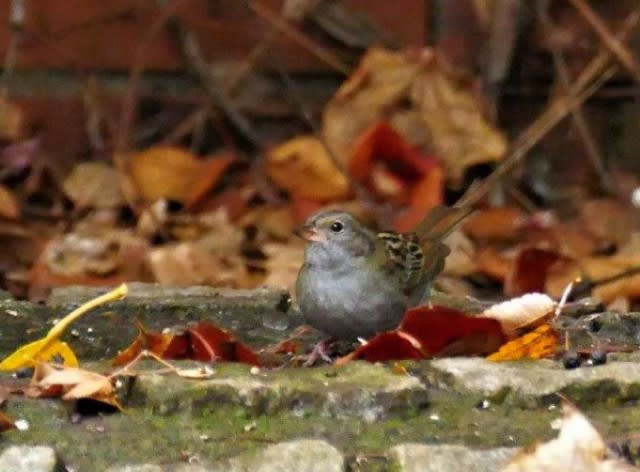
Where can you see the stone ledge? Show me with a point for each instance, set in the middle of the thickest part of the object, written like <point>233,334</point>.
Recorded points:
<point>30,459</point>
<point>437,458</point>
<point>614,381</point>
<point>369,392</point>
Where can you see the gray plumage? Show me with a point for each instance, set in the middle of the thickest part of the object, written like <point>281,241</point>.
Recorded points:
<point>357,283</point>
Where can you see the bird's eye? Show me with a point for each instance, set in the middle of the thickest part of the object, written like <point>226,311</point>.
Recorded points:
<point>337,226</point>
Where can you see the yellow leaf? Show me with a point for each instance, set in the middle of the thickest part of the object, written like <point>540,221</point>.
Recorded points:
<point>50,346</point>
<point>539,343</point>
<point>40,351</point>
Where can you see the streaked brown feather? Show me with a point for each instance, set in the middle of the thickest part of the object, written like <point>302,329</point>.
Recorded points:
<point>404,256</point>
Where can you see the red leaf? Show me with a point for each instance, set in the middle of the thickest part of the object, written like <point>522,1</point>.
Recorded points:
<point>387,164</point>
<point>426,194</point>
<point>428,331</point>
<point>202,341</point>
<point>529,271</point>
<point>208,342</point>
<point>387,346</point>
<point>443,330</point>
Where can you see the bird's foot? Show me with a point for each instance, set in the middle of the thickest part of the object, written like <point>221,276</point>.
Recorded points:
<point>319,352</point>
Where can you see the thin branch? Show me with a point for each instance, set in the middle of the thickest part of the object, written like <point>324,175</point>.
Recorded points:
<point>613,44</point>
<point>215,95</point>
<point>577,113</point>
<point>278,23</point>
<point>597,71</point>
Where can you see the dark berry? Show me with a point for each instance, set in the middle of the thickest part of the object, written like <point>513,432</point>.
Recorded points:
<point>571,360</point>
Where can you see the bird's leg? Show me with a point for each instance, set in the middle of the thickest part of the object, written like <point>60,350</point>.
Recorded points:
<point>319,351</point>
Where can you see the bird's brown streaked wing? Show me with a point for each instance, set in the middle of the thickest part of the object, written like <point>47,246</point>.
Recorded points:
<point>404,257</point>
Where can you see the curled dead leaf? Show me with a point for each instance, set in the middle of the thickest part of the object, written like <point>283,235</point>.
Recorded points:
<point>175,173</point>
<point>303,167</point>
<point>416,91</point>
<point>578,447</point>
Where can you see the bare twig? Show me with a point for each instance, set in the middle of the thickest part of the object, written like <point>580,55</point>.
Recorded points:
<point>278,23</point>
<point>128,108</point>
<point>186,126</point>
<point>577,113</point>
<point>613,44</point>
<point>597,71</point>
<point>247,65</point>
<point>216,98</point>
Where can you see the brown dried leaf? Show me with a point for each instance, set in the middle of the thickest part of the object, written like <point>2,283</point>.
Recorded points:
<point>6,423</point>
<point>578,448</point>
<point>9,207</point>
<point>94,185</point>
<point>303,167</point>
<point>175,173</point>
<point>11,119</point>
<point>75,383</point>
<point>502,223</point>
<point>600,267</point>
<point>461,135</point>
<point>447,107</point>
<point>283,263</point>
<point>212,259</point>
<point>462,259</point>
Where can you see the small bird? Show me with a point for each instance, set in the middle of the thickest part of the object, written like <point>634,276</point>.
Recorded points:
<point>356,283</point>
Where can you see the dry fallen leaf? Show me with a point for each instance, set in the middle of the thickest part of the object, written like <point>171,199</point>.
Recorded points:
<point>282,264</point>
<point>462,259</point>
<point>540,343</point>
<point>529,270</point>
<point>578,448</point>
<point>503,223</point>
<point>11,119</point>
<point>201,341</point>
<point>94,185</point>
<point>416,92</point>
<point>600,267</point>
<point>9,206</point>
<point>302,166</point>
<point>175,173</point>
<point>5,422</point>
<point>72,383</point>
<point>522,313</point>
<point>213,258</point>
<point>461,135</point>
<point>50,347</point>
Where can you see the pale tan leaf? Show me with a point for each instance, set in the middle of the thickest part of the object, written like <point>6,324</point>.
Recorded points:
<point>578,448</point>
<point>520,313</point>
<point>94,185</point>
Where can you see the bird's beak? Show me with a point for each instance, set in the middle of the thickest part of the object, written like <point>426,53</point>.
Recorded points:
<point>309,233</point>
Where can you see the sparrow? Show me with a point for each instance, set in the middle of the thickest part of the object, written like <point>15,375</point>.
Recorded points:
<point>356,283</point>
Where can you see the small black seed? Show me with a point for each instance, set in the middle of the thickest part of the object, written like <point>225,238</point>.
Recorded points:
<point>571,360</point>
<point>598,357</point>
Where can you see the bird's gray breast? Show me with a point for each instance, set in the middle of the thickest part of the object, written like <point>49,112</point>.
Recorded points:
<point>349,303</point>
